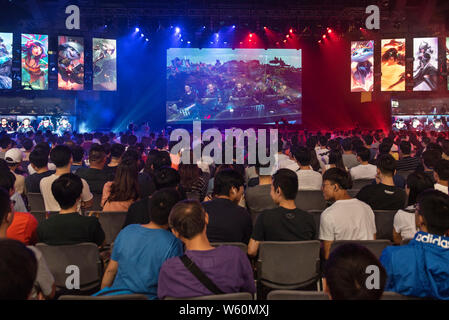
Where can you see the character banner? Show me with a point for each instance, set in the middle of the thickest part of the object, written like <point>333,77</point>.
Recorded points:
<point>425,64</point>
<point>104,64</point>
<point>362,66</point>
<point>34,61</point>
<point>5,60</point>
<point>70,63</point>
<point>393,65</point>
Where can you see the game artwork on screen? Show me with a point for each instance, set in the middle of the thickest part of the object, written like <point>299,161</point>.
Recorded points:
<point>5,60</point>
<point>34,61</point>
<point>362,66</point>
<point>70,63</point>
<point>425,64</point>
<point>253,85</point>
<point>393,65</point>
<point>104,64</point>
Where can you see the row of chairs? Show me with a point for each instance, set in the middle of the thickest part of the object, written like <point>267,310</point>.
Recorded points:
<point>280,265</point>
<point>36,202</point>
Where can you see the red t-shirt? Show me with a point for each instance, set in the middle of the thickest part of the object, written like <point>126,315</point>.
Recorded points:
<point>23,228</point>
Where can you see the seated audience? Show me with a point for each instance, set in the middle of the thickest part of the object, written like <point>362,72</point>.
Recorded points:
<point>227,267</point>
<point>441,175</point>
<point>140,250</point>
<point>14,159</point>
<point>78,158</point>
<point>119,194</point>
<point>384,195</point>
<point>346,218</point>
<point>193,181</point>
<point>228,222</point>
<point>164,177</point>
<point>349,158</point>
<point>39,163</point>
<point>44,283</point>
<point>308,179</point>
<point>146,181</point>
<point>282,160</point>
<point>364,170</point>
<point>69,227</point>
<point>95,175</point>
<point>335,161</point>
<point>429,161</point>
<point>404,225</point>
<point>61,156</point>
<point>258,197</point>
<point>345,275</point>
<point>406,162</point>
<point>5,145</point>
<point>45,149</point>
<point>421,268</point>
<point>117,151</point>
<point>286,222</point>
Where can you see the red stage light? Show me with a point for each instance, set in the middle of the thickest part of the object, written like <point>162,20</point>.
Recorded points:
<point>287,36</point>
<point>250,35</point>
<point>324,36</point>
<point>329,30</point>
<point>285,41</point>
<point>291,30</point>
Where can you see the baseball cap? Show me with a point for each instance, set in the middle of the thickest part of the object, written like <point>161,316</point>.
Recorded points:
<point>13,156</point>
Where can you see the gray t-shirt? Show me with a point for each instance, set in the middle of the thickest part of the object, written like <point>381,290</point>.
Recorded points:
<point>44,279</point>
<point>350,160</point>
<point>258,199</point>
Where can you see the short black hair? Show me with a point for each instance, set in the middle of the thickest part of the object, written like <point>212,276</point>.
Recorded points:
<point>39,158</point>
<point>117,150</point>
<point>161,203</point>
<point>346,144</point>
<point>386,164</point>
<point>5,203</point>
<point>132,140</point>
<point>346,273</point>
<point>287,181</point>
<point>18,270</point>
<point>78,153</point>
<point>5,141</point>
<point>67,189</point>
<point>442,169</point>
<point>166,177</point>
<point>303,156</point>
<point>227,179</point>
<point>338,176</point>
<point>405,147</point>
<point>161,159</point>
<point>60,156</point>
<point>385,147</point>
<point>161,143</point>
<point>364,154</point>
<point>7,179</point>
<point>188,218</point>
<point>368,139</point>
<point>417,182</point>
<point>27,144</point>
<point>433,206</point>
<point>96,153</point>
<point>430,158</point>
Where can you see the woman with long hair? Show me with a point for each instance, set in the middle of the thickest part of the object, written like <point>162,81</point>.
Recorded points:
<point>119,194</point>
<point>335,160</point>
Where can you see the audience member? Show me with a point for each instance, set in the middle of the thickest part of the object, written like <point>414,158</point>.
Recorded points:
<point>346,218</point>
<point>78,158</point>
<point>226,267</point>
<point>286,222</point>
<point>384,195</point>
<point>349,158</point>
<point>14,159</point>
<point>39,162</point>
<point>140,250</point>
<point>61,156</point>
<point>193,181</point>
<point>346,276</point>
<point>95,175</point>
<point>441,175</point>
<point>5,145</point>
<point>406,162</point>
<point>228,222</point>
<point>429,161</point>
<point>421,268</point>
<point>7,181</point>
<point>117,151</point>
<point>364,170</point>
<point>308,179</point>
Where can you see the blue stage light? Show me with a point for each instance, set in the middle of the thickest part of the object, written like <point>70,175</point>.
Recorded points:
<point>177,30</point>
<point>137,29</point>
<point>233,27</point>
<point>141,34</point>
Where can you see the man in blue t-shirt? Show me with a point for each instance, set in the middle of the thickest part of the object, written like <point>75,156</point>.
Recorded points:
<point>421,268</point>
<point>140,250</point>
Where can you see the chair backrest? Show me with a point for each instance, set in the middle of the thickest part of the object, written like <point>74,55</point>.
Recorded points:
<point>84,256</point>
<point>310,200</point>
<point>40,216</point>
<point>296,295</point>
<point>375,246</point>
<point>112,223</point>
<point>111,297</point>
<point>240,245</point>
<point>316,217</point>
<point>384,223</point>
<point>225,296</point>
<point>353,192</point>
<point>288,264</point>
<point>360,183</point>
<point>36,202</point>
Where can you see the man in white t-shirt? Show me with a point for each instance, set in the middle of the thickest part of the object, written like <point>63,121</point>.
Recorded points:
<point>347,218</point>
<point>364,170</point>
<point>61,156</point>
<point>441,175</point>
<point>308,179</point>
<point>322,152</point>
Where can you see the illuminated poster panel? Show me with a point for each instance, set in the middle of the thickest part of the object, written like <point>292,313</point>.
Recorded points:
<point>104,64</point>
<point>70,63</point>
<point>393,64</point>
<point>35,61</point>
<point>362,66</point>
<point>6,40</point>
<point>425,64</point>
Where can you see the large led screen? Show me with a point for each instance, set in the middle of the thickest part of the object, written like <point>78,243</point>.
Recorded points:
<point>70,63</point>
<point>425,64</point>
<point>362,66</point>
<point>104,64</point>
<point>393,64</point>
<point>5,60</point>
<point>34,61</point>
<point>245,85</point>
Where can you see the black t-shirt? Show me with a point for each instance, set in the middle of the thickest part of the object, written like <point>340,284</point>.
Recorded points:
<point>138,213</point>
<point>70,228</point>
<point>228,222</point>
<point>95,178</point>
<point>146,185</point>
<point>383,197</point>
<point>281,224</point>
<point>32,182</point>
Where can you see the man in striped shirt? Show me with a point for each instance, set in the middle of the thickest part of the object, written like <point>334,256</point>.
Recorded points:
<point>406,161</point>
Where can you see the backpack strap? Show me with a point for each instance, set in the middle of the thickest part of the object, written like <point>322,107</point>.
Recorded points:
<point>193,268</point>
